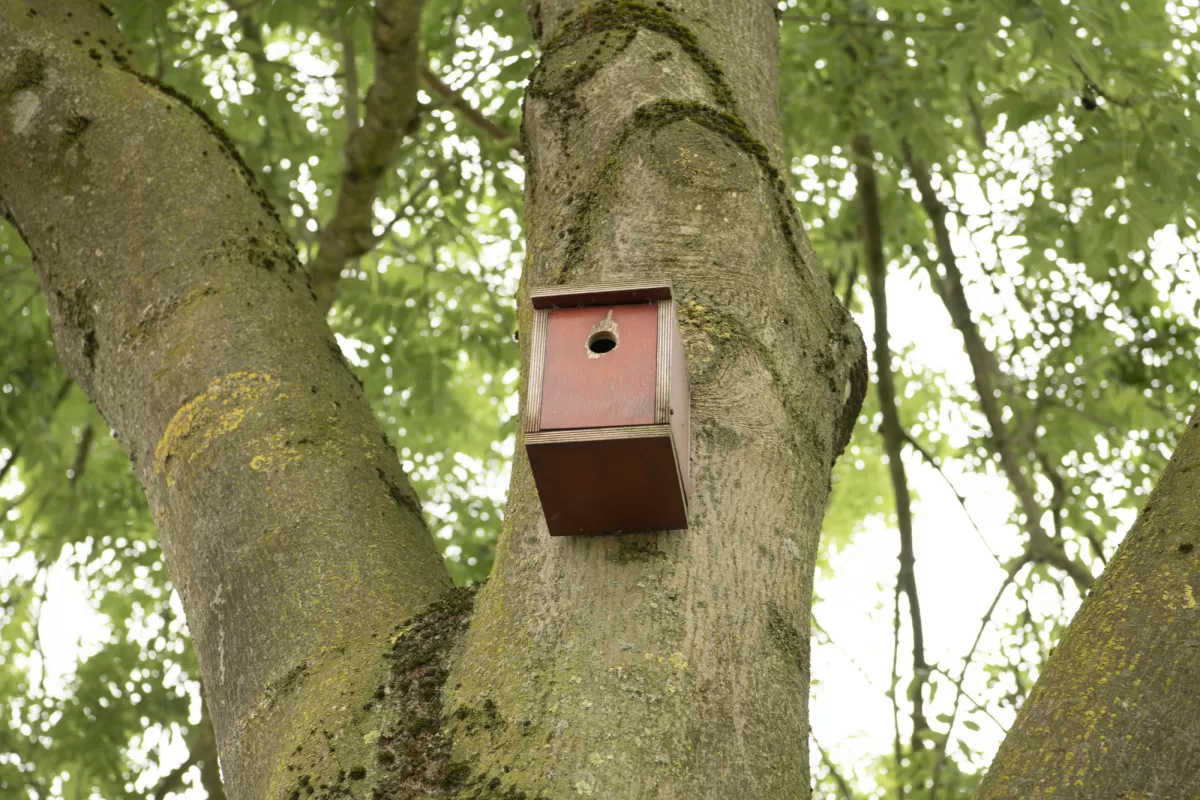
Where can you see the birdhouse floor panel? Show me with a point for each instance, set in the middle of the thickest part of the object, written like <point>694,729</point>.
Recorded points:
<point>625,483</point>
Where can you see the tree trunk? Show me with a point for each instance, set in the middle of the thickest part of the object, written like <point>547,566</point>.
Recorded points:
<point>672,664</point>
<point>1116,713</point>
<point>179,306</point>
<point>669,664</point>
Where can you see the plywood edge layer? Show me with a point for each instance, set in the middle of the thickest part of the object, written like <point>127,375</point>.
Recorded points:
<point>598,434</point>
<point>537,369</point>
<point>662,387</point>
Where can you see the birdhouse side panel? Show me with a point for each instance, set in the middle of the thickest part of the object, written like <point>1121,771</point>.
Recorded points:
<point>681,406</point>
<point>585,385</point>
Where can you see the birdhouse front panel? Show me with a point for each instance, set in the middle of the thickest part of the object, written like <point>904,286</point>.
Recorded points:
<point>600,367</point>
<point>606,423</point>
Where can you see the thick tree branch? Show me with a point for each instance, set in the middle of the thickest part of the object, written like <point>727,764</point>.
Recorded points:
<point>1116,701</point>
<point>891,430</point>
<point>391,108</point>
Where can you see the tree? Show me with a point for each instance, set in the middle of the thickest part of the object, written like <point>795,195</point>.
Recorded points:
<point>248,432</point>
<point>611,667</point>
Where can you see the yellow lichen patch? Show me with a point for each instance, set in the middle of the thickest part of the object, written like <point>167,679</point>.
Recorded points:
<point>219,411</point>
<point>273,452</point>
<point>1189,596</point>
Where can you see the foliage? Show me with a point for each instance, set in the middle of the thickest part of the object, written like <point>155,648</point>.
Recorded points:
<point>1060,135</point>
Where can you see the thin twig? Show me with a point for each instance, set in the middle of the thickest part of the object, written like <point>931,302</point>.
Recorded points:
<point>1092,87</point>
<point>978,706</point>
<point>897,747</point>
<point>391,110</point>
<point>843,788</point>
<point>988,376</point>
<point>890,428</point>
<point>962,501</point>
<point>468,111</point>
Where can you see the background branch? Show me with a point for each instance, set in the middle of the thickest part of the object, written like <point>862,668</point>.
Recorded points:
<point>391,108</point>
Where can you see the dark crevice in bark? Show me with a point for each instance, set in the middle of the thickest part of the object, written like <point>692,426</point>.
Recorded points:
<point>891,429</point>
<point>411,753</point>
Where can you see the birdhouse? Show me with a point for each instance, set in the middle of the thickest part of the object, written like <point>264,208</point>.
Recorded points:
<point>606,420</point>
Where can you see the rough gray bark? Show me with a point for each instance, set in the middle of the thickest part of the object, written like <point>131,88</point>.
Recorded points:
<point>1116,712</point>
<point>179,306</point>
<point>670,665</point>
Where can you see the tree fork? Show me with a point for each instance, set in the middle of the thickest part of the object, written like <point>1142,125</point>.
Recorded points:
<point>672,664</point>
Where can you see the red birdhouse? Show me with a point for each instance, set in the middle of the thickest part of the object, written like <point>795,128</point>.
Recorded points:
<point>606,420</point>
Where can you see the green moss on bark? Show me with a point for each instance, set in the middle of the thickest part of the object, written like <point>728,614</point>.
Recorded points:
<point>413,755</point>
<point>627,16</point>
<point>591,204</point>
<point>30,72</point>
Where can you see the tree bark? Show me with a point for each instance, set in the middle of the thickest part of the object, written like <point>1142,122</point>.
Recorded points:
<point>179,306</point>
<point>671,664</point>
<point>1116,712</point>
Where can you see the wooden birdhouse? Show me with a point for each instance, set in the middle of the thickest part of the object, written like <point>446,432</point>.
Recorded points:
<point>606,421</point>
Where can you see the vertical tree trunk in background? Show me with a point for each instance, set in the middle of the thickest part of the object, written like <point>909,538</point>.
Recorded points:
<point>1116,712</point>
<point>179,306</point>
<point>671,665</point>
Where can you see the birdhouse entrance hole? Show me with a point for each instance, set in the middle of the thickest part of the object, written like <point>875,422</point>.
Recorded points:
<point>602,342</point>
